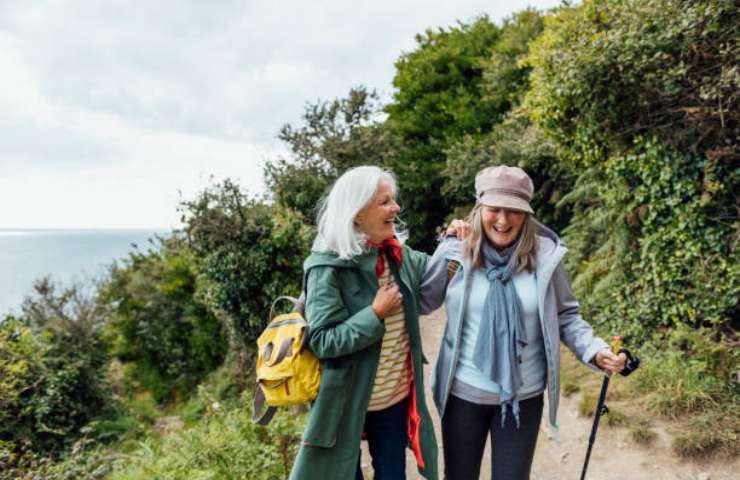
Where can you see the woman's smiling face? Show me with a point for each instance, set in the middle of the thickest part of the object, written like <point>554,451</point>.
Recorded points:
<point>501,225</point>
<point>376,219</point>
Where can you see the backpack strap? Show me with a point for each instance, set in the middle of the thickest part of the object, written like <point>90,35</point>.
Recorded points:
<point>293,300</point>
<point>257,404</point>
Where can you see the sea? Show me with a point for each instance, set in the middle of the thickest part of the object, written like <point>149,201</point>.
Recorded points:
<point>66,256</point>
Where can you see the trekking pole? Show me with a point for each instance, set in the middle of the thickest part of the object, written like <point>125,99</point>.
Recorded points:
<point>601,408</point>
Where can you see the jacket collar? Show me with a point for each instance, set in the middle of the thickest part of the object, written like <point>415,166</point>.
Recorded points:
<point>365,261</point>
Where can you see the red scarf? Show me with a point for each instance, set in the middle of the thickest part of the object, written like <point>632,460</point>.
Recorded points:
<point>391,246</point>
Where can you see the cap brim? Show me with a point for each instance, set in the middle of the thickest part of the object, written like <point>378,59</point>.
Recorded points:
<point>505,201</point>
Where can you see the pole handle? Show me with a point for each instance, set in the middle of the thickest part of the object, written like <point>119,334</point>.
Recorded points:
<point>617,345</point>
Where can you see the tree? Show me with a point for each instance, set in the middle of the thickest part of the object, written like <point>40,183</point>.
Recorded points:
<point>160,324</point>
<point>334,137</point>
<point>451,92</point>
<point>249,253</point>
<point>53,364</point>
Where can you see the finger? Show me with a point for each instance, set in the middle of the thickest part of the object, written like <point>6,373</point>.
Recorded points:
<point>609,356</point>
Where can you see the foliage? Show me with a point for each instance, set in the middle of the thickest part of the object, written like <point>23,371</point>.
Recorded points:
<point>439,99</point>
<point>692,375</point>
<point>21,357</point>
<point>605,72</point>
<point>158,324</point>
<point>684,267</point>
<point>624,89</point>
<point>514,142</point>
<point>334,137</point>
<point>53,363</point>
<point>223,444</point>
<point>250,253</point>
<point>506,74</point>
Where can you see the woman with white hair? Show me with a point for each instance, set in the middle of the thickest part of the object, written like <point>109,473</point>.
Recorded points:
<point>364,291</point>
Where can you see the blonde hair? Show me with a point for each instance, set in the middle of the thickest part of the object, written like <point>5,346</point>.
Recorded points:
<point>525,253</point>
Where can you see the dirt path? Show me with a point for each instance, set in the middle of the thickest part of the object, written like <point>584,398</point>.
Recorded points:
<point>613,457</point>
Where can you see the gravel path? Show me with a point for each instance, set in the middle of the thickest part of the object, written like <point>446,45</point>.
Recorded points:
<point>613,456</point>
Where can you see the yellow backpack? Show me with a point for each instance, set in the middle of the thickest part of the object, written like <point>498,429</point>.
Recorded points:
<point>288,373</point>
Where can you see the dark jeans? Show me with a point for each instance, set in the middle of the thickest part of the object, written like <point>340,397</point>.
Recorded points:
<point>466,425</point>
<point>387,439</point>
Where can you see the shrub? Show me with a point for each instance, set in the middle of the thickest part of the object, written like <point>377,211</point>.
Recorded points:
<point>224,444</point>
<point>250,253</point>
<point>21,357</point>
<point>607,71</point>
<point>641,99</point>
<point>514,142</point>
<point>159,325</point>
<point>52,372</point>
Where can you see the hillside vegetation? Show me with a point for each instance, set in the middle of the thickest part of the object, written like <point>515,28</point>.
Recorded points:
<point>624,113</point>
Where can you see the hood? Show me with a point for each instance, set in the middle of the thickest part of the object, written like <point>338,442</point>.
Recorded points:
<point>548,242</point>
<point>366,261</point>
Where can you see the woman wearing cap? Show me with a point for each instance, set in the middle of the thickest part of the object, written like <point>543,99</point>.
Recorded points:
<point>365,289</point>
<point>509,305</point>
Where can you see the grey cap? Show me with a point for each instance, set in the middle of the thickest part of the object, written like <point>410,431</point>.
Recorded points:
<point>504,187</point>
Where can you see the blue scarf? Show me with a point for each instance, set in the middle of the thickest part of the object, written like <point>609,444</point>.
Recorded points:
<point>501,337</point>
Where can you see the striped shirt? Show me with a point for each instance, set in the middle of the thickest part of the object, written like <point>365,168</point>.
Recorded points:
<point>393,378</point>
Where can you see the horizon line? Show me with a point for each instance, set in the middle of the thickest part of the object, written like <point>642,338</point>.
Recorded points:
<point>18,229</point>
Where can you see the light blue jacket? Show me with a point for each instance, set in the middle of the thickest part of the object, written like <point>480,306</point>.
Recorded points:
<point>559,314</point>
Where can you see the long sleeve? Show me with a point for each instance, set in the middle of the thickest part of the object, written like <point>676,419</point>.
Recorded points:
<point>332,331</point>
<point>434,281</point>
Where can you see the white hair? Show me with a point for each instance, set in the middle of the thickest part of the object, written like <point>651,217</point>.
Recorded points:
<point>351,192</point>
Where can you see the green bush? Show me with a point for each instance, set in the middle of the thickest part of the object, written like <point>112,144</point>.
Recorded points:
<point>640,98</point>
<point>333,137</point>
<point>224,444</point>
<point>514,142</point>
<point>250,253</point>
<point>159,325</point>
<point>52,372</point>
<point>21,358</point>
<point>607,71</point>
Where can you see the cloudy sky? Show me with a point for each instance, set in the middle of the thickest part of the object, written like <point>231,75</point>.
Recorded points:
<point>108,109</point>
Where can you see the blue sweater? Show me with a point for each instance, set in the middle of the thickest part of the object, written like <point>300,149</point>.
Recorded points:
<point>533,366</point>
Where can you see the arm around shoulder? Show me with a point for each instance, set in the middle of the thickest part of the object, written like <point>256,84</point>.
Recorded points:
<point>434,281</point>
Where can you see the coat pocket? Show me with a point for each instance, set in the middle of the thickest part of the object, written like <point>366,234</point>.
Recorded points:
<point>328,409</point>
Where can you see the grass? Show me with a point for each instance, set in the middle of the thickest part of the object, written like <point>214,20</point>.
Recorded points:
<point>587,404</point>
<point>716,431</point>
<point>642,433</point>
<point>686,377</point>
<point>214,439</point>
<point>569,389</point>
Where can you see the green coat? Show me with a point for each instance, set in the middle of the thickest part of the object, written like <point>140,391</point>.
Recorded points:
<point>346,336</point>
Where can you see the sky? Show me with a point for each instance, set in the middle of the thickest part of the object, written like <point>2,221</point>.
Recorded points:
<point>111,111</point>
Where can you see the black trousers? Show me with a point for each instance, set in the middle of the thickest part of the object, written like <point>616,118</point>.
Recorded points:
<point>466,425</point>
<point>387,439</point>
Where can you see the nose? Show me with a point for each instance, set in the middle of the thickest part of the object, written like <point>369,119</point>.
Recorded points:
<point>395,208</point>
